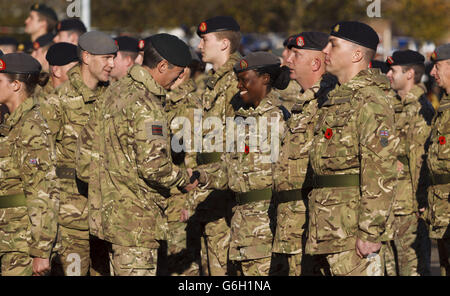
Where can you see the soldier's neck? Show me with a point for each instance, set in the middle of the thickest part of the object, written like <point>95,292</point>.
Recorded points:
<point>351,72</point>
<point>220,61</point>
<point>310,80</point>
<point>38,34</point>
<point>404,92</point>
<point>15,102</point>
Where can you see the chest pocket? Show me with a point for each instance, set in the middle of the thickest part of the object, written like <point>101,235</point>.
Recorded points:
<point>297,137</point>
<point>76,114</point>
<point>7,171</point>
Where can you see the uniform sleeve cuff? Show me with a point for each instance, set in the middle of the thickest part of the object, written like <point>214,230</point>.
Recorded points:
<point>367,237</point>
<point>38,253</point>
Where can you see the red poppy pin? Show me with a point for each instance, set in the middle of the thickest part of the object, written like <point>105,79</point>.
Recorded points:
<point>141,44</point>
<point>370,65</point>
<point>202,27</point>
<point>442,140</point>
<point>300,41</point>
<point>390,60</point>
<point>328,133</point>
<point>117,43</point>
<point>244,64</point>
<point>36,45</point>
<point>2,65</point>
<point>247,149</point>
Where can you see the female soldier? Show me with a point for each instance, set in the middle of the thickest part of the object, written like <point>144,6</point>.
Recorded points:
<point>247,171</point>
<point>28,196</point>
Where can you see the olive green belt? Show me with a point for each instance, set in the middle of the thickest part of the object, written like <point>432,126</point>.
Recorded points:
<point>208,157</point>
<point>289,195</point>
<point>253,196</point>
<point>440,179</point>
<point>403,159</point>
<point>65,173</point>
<point>336,181</point>
<point>12,201</point>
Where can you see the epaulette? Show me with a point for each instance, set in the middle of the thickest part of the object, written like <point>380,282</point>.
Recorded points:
<point>286,113</point>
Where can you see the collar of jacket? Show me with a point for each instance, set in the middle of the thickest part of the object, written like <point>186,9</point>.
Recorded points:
<point>414,94</point>
<point>270,101</point>
<point>140,74</point>
<point>80,87</point>
<point>179,93</point>
<point>15,117</point>
<point>307,95</point>
<point>215,76</point>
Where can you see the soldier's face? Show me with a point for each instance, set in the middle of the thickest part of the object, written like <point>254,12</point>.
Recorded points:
<point>101,66</point>
<point>7,88</point>
<point>285,55</point>
<point>252,87</point>
<point>299,62</point>
<point>169,75</point>
<point>210,47</point>
<point>397,77</point>
<point>441,72</point>
<point>121,65</point>
<point>33,23</point>
<point>338,55</point>
<point>39,54</point>
<point>8,48</point>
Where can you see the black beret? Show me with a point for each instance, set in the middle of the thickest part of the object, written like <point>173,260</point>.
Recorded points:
<point>256,60</point>
<point>19,63</point>
<point>217,24</point>
<point>43,40</point>
<point>171,48</point>
<point>62,53</point>
<point>441,53</point>
<point>71,24</point>
<point>356,32</point>
<point>96,42</point>
<point>309,40</point>
<point>5,40</point>
<point>127,43</point>
<point>384,67</point>
<point>405,57</point>
<point>288,40</point>
<point>45,10</point>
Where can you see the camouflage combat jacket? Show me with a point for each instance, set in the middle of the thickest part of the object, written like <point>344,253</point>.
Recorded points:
<point>181,106</point>
<point>353,157</point>
<point>289,95</point>
<point>136,170</point>
<point>439,167</point>
<point>27,166</point>
<point>250,170</point>
<point>67,111</point>
<point>413,115</point>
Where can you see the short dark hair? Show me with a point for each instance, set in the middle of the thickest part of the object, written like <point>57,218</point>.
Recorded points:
<point>152,58</point>
<point>133,55</point>
<point>419,70</point>
<point>233,36</point>
<point>51,23</point>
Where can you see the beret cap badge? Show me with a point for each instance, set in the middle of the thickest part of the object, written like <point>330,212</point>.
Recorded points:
<point>300,41</point>
<point>336,28</point>
<point>141,44</point>
<point>36,45</point>
<point>2,65</point>
<point>244,64</point>
<point>390,60</point>
<point>202,27</point>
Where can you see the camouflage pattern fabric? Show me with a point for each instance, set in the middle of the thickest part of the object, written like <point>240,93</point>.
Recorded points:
<point>354,135</point>
<point>252,224</point>
<point>438,214</point>
<point>133,261</point>
<point>182,102</point>
<point>16,264</point>
<point>212,208</point>
<point>27,165</point>
<point>135,164</point>
<point>43,92</point>
<point>347,263</point>
<point>290,94</point>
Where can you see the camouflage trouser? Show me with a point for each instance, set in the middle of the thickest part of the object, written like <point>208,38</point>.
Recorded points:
<point>16,264</point>
<point>255,267</point>
<point>72,248</point>
<point>348,263</point>
<point>410,247</point>
<point>444,255</point>
<point>215,246</point>
<point>133,261</point>
<point>183,253</point>
<point>298,264</point>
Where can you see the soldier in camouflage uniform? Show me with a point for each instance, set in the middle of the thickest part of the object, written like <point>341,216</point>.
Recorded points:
<point>353,158</point>
<point>439,162</point>
<point>28,187</point>
<point>413,115</point>
<point>248,169</point>
<point>214,207</point>
<point>134,162</point>
<point>180,106</point>
<point>66,112</point>
<point>306,63</point>
<point>61,57</point>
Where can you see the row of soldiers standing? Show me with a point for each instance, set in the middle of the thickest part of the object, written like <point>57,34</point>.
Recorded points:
<point>118,190</point>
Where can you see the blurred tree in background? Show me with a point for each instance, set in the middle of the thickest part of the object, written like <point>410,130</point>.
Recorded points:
<point>420,19</point>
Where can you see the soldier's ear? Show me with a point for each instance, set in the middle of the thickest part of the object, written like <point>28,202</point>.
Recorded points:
<point>316,63</point>
<point>225,44</point>
<point>410,74</point>
<point>162,66</point>
<point>56,71</point>
<point>357,55</point>
<point>85,57</point>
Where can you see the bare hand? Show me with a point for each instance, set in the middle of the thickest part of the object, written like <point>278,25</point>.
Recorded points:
<point>421,211</point>
<point>41,266</point>
<point>364,248</point>
<point>184,215</point>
